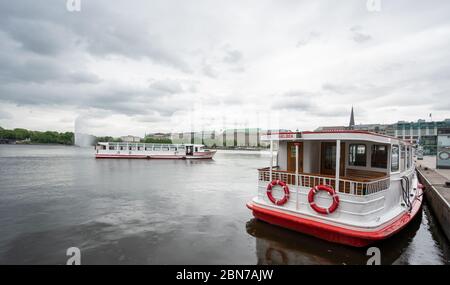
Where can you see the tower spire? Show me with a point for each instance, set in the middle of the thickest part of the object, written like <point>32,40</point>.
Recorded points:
<point>351,125</point>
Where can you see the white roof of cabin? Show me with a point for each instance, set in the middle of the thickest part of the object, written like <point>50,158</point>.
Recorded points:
<point>346,135</point>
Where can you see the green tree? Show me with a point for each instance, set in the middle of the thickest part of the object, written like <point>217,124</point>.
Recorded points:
<point>21,134</point>
<point>157,140</point>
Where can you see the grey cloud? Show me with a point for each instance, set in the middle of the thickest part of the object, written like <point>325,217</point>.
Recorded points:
<point>209,71</point>
<point>159,97</point>
<point>4,114</point>
<point>167,86</point>
<point>294,100</point>
<point>38,36</point>
<point>38,70</point>
<point>232,56</point>
<point>308,39</point>
<point>358,35</point>
<point>48,29</point>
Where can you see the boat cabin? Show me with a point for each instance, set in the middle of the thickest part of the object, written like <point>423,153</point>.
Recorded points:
<point>151,150</point>
<point>353,162</point>
<point>346,186</point>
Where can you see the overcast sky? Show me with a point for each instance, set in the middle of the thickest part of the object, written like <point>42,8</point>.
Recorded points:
<point>130,67</point>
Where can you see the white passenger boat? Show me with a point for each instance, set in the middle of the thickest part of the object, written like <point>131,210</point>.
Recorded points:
<point>349,187</point>
<point>152,151</point>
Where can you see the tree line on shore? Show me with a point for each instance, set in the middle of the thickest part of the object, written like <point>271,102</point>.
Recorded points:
<point>27,136</point>
<point>145,140</point>
<point>66,138</point>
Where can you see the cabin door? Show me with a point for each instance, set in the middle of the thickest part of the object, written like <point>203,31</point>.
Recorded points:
<point>189,150</point>
<point>291,157</point>
<point>328,158</point>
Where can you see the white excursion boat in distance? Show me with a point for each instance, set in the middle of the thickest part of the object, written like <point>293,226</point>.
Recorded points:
<point>152,151</point>
<point>345,186</point>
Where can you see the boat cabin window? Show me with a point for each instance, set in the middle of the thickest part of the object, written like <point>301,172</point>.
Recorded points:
<point>111,147</point>
<point>395,158</point>
<point>379,156</point>
<point>165,148</point>
<point>408,156</point>
<point>402,157</point>
<point>196,149</point>
<point>172,148</point>
<point>357,155</point>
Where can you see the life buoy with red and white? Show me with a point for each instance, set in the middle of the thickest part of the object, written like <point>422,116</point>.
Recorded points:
<point>285,198</point>
<point>330,191</point>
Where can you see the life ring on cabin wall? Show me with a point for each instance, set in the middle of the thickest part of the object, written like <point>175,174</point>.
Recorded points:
<point>330,191</point>
<point>285,198</point>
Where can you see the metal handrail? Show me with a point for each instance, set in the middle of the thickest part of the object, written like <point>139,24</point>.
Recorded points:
<point>347,186</point>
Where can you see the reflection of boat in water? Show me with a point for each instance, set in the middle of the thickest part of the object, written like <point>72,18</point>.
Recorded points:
<point>275,245</point>
<point>349,187</point>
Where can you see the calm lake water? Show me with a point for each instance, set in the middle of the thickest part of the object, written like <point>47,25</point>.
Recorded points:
<point>163,212</point>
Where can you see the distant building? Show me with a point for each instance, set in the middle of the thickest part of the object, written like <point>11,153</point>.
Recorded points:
<point>130,138</point>
<point>240,138</point>
<point>384,129</point>
<point>331,128</point>
<point>420,132</point>
<point>351,124</point>
<point>158,135</point>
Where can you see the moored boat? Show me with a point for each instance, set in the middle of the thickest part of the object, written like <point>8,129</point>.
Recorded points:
<point>349,187</point>
<point>152,151</point>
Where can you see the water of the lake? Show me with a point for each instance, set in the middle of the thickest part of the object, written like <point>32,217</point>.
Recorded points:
<point>163,212</point>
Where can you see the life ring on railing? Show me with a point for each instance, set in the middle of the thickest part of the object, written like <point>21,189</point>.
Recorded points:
<point>285,198</point>
<point>330,191</point>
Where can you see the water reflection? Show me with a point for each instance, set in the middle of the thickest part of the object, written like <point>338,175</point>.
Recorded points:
<point>162,212</point>
<point>275,245</point>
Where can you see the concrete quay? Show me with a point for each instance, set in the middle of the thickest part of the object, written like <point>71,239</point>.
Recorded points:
<point>436,192</point>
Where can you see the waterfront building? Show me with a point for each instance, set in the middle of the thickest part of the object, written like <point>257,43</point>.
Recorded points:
<point>383,129</point>
<point>130,138</point>
<point>158,135</point>
<point>421,132</point>
<point>240,138</point>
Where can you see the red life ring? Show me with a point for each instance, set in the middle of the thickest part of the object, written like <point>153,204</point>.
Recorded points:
<point>330,191</point>
<point>285,189</point>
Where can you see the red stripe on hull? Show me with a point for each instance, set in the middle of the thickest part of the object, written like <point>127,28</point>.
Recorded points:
<point>332,233</point>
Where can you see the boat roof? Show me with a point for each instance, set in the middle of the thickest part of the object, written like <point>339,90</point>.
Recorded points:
<point>356,135</point>
<point>147,144</point>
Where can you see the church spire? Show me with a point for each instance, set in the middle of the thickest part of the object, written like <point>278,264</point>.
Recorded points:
<point>351,125</point>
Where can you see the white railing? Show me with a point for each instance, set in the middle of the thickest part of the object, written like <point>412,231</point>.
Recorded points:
<point>310,180</point>
<point>148,145</point>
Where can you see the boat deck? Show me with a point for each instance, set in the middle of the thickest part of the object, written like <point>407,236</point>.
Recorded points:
<point>355,182</point>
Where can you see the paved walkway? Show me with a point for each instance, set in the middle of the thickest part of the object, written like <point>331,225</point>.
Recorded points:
<point>430,162</point>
